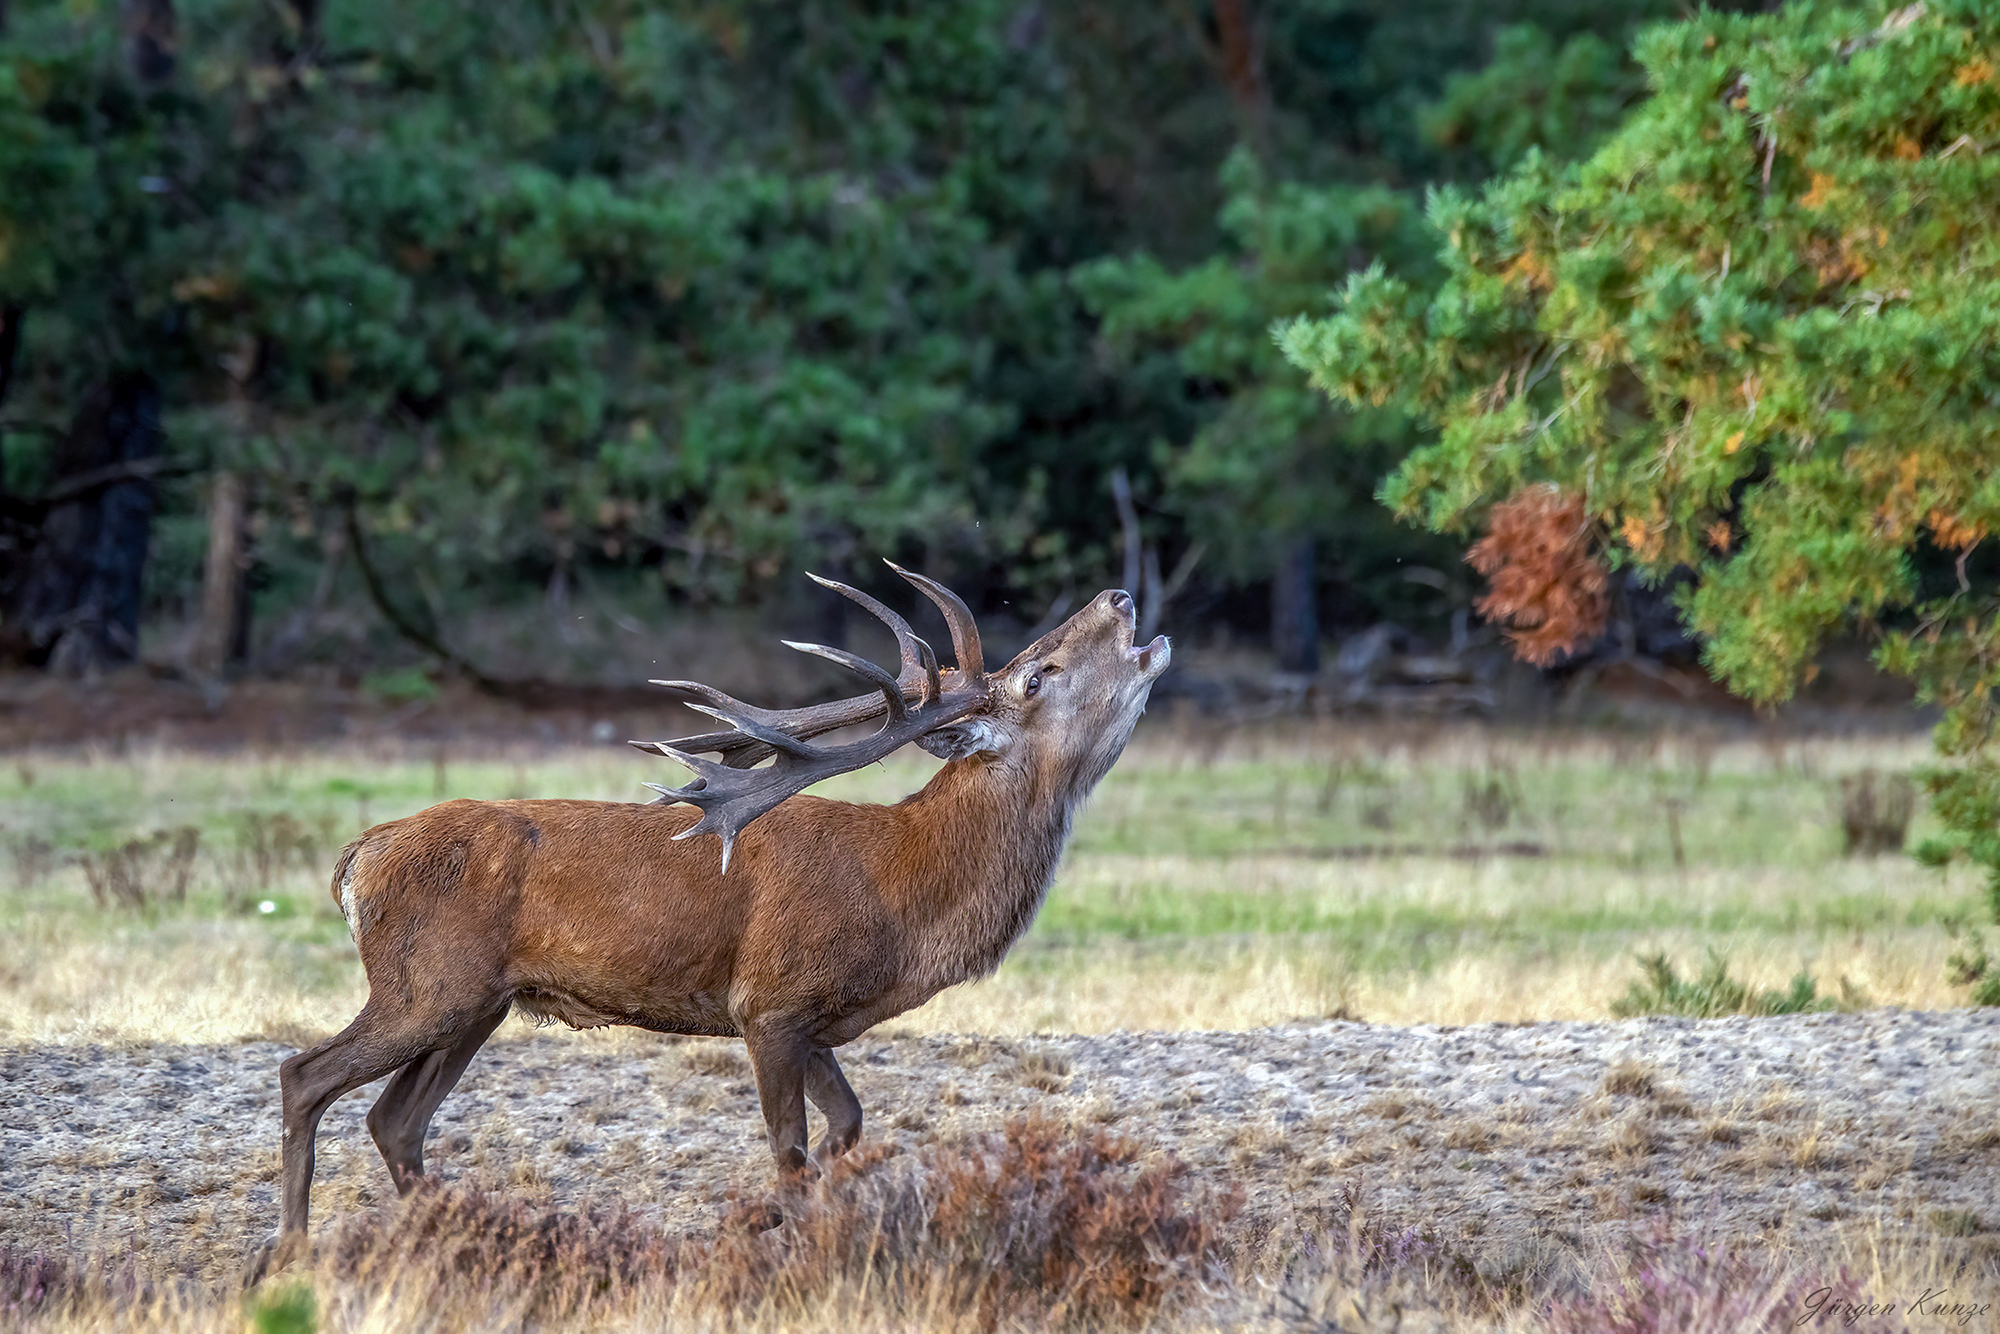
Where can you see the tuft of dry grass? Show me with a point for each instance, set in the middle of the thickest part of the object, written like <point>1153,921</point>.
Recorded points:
<point>718,1060</point>
<point>1044,1069</point>
<point>1629,1079</point>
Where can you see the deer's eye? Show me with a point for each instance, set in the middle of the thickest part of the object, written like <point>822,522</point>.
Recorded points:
<point>1034,684</point>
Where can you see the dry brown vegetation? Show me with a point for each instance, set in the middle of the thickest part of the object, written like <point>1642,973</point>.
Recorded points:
<point>1516,1177</point>
<point>1034,1225</point>
<point>1038,1226</point>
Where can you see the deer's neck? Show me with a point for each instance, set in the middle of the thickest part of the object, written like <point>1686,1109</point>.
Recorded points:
<point>992,841</point>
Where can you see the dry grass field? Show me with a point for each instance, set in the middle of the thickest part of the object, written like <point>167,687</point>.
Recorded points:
<point>165,907</point>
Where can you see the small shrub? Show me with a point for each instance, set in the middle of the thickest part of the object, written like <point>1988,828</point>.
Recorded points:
<point>1714,994</point>
<point>266,847</point>
<point>464,1243</point>
<point>1043,1069</point>
<point>35,1281</point>
<point>286,1311</point>
<point>1492,799</point>
<point>1971,965</point>
<point>30,1281</point>
<point>1957,1223</point>
<point>1039,1223</point>
<point>1875,812</point>
<point>1629,1079</point>
<point>1345,1237</point>
<point>34,857</point>
<point>143,870</point>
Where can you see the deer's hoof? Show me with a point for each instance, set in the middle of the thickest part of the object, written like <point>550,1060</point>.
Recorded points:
<point>278,1252</point>
<point>754,1219</point>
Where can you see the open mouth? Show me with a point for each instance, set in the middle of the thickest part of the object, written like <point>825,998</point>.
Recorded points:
<point>1152,658</point>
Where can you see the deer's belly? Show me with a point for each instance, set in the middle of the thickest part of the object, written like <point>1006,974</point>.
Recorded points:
<point>696,1014</point>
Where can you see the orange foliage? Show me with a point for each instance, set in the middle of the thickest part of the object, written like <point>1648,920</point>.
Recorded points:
<point>1530,268</point>
<point>1547,586</point>
<point>1953,533</point>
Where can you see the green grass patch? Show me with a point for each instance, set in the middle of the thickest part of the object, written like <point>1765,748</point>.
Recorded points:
<point>1362,856</point>
<point>1714,993</point>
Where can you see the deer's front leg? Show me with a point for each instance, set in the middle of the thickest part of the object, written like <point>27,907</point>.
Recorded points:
<point>835,1100</point>
<point>779,1054</point>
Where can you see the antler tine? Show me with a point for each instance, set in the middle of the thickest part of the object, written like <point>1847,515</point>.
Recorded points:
<point>933,687</point>
<point>965,643</point>
<point>716,699</point>
<point>730,798</point>
<point>732,792</point>
<point>891,688</point>
<point>737,751</point>
<point>770,736</point>
<point>908,642</point>
<point>746,747</point>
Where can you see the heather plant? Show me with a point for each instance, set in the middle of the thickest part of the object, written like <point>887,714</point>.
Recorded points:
<point>1038,1223</point>
<point>1745,337</point>
<point>1671,1283</point>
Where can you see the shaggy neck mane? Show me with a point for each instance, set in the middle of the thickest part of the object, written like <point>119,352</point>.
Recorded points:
<point>991,835</point>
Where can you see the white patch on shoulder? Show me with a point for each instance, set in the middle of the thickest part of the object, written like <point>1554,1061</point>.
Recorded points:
<point>347,899</point>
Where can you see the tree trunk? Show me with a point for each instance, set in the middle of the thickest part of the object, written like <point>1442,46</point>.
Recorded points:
<point>1295,611</point>
<point>1128,526</point>
<point>836,544</point>
<point>76,607</point>
<point>152,40</point>
<point>219,634</point>
<point>11,318</point>
<point>1240,42</point>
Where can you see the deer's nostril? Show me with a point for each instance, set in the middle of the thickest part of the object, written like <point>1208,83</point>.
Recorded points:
<point>1120,600</point>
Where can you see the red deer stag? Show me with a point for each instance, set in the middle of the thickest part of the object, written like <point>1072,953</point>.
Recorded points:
<point>797,932</point>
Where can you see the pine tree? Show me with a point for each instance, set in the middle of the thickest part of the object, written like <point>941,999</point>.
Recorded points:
<point>1753,334</point>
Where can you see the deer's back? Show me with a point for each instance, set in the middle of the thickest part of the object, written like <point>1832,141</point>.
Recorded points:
<point>591,913</point>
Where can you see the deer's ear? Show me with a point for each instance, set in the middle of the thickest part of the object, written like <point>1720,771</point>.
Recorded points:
<point>971,737</point>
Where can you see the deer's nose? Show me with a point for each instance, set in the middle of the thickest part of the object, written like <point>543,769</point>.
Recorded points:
<point>1120,599</point>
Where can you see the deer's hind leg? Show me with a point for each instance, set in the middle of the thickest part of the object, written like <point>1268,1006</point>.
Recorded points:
<point>380,1040</point>
<point>401,1117</point>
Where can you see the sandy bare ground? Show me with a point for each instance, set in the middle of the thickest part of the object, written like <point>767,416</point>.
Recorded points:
<point>1498,1139</point>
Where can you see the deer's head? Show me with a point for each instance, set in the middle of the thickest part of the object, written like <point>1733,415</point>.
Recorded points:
<point>1066,705</point>
<point>1059,713</point>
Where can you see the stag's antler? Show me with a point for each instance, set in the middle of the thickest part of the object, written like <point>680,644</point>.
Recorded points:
<point>731,793</point>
